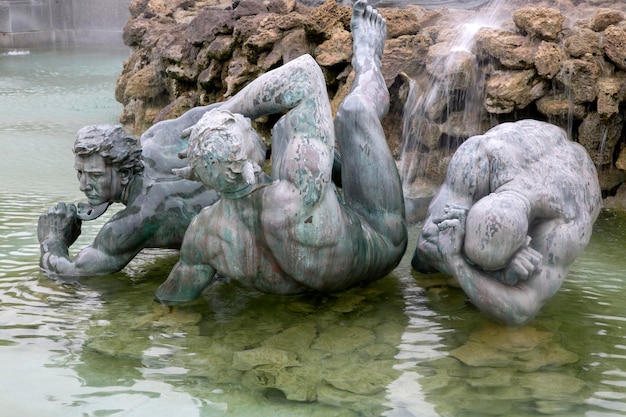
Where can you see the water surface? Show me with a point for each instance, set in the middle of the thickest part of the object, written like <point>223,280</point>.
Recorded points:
<point>408,345</point>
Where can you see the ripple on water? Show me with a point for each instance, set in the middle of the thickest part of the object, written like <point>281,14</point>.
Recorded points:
<point>407,345</point>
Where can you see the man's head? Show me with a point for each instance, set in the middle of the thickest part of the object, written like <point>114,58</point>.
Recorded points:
<point>496,227</point>
<point>225,152</point>
<point>106,158</point>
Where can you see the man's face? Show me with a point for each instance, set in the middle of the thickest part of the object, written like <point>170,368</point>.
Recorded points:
<point>214,175</point>
<point>100,182</point>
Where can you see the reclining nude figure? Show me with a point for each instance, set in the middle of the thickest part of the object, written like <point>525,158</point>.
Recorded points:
<point>294,233</point>
<point>516,209</point>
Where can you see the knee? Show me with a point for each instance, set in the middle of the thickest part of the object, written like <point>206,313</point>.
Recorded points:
<point>495,229</point>
<point>355,107</point>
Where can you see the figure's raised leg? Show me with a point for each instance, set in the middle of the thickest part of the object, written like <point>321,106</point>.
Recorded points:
<point>370,179</point>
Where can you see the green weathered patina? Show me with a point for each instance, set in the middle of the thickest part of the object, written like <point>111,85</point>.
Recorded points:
<point>113,167</point>
<point>291,232</point>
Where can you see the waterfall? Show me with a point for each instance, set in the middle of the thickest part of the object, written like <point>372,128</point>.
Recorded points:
<point>35,23</point>
<point>443,108</point>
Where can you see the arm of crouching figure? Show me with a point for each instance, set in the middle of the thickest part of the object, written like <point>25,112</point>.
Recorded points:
<point>467,179</point>
<point>513,305</point>
<point>427,257</point>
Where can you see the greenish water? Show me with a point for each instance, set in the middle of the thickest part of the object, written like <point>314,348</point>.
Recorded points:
<point>408,345</point>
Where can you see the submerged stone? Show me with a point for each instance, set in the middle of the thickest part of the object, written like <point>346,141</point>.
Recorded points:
<point>294,339</point>
<point>341,339</point>
<point>550,354</point>
<point>480,354</point>
<point>359,380</point>
<point>551,385</point>
<point>179,317</point>
<point>249,359</point>
<point>510,339</point>
<point>299,384</point>
<point>347,303</point>
<point>362,405</point>
<point>494,378</point>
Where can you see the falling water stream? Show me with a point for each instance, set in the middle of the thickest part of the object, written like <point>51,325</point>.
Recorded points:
<point>407,345</point>
<point>446,94</point>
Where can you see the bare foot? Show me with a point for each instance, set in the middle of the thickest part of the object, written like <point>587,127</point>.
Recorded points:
<point>369,32</point>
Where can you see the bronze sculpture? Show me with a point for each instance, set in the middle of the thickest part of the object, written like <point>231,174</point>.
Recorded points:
<point>112,167</point>
<point>294,232</point>
<point>516,209</point>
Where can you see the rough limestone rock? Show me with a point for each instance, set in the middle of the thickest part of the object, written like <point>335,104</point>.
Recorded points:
<point>583,42</point>
<point>605,18</point>
<point>615,45</point>
<point>581,77</point>
<point>548,60</point>
<point>565,64</point>
<point>560,107</point>
<point>600,138</point>
<point>544,23</point>
<point>611,92</point>
<point>511,50</point>
<point>458,71</point>
<point>506,91</point>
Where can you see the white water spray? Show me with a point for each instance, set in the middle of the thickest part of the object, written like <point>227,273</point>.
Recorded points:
<point>444,105</point>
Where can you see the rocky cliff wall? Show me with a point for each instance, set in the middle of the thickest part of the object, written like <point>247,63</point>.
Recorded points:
<point>563,62</point>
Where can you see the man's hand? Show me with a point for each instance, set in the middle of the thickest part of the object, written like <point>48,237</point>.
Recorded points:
<point>451,229</point>
<point>525,262</point>
<point>59,223</point>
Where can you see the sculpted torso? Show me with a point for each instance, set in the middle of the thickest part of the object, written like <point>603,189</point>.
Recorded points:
<point>295,233</point>
<point>111,169</point>
<point>156,217</point>
<point>285,243</point>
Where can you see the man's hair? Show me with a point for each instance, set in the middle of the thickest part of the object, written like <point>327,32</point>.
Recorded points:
<point>117,148</point>
<point>228,138</point>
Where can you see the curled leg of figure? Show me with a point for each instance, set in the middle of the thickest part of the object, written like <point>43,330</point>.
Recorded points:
<point>369,32</point>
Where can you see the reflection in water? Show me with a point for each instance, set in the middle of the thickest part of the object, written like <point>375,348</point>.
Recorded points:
<point>408,345</point>
<point>569,361</point>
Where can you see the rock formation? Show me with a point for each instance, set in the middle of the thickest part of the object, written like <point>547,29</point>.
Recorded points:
<point>565,64</point>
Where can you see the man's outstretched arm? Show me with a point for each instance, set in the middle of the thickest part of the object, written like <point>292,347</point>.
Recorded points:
<point>114,246</point>
<point>297,90</point>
